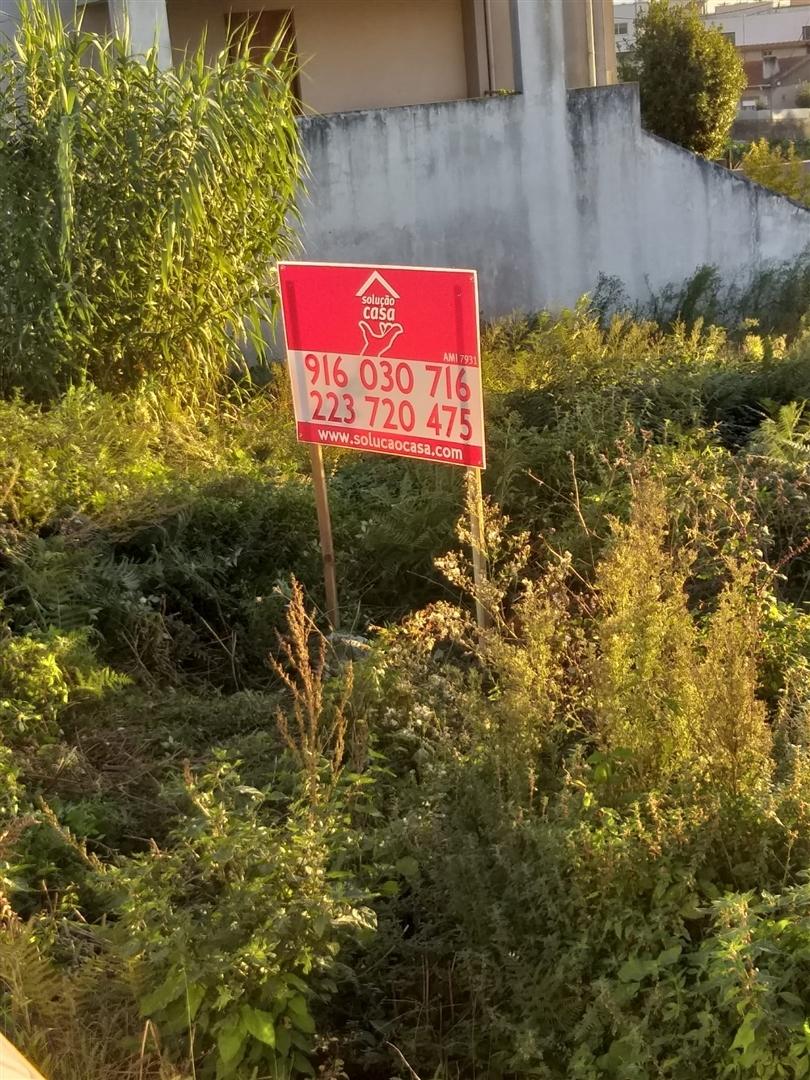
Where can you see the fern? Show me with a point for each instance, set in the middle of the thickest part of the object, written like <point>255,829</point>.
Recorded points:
<point>785,435</point>
<point>74,1023</point>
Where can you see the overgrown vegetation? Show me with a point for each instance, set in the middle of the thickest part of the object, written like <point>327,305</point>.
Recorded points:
<point>778,168</point>
<point>573,846</point>
<point>690,76</point>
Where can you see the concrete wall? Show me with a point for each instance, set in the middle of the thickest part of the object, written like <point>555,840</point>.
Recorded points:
<point>8,20</point>
<point>541,192</point>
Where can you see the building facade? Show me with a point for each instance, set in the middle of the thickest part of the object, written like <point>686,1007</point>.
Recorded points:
<point>773,40</point>
<point>360,54</point>
<point>625,15</point>
<point>767,23</point>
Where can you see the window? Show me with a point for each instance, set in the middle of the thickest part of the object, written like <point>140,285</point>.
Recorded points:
<point>620,29</point>
<point>806,33</point>
<point>729,35</point>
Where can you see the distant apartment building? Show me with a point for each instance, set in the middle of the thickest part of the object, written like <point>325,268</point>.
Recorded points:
<point>625,15</point>
<point>771,36</point>
<point>773,39</point>
<point>776,77</point>
<point>762,24</point>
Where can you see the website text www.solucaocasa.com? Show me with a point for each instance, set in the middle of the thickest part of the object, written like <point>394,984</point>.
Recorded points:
<point>360,441</point>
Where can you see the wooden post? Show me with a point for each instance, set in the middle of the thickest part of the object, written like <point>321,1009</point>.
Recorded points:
<point>475,505</point>
<point>325,529</point>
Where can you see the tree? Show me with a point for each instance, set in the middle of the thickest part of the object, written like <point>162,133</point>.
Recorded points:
<point>803,96</point>
<point>690,77</point>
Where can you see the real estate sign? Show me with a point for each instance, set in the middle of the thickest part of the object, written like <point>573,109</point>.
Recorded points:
<point>385,359</point>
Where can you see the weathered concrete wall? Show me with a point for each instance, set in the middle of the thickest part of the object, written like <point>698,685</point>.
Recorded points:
<point>651,213</point>
<point>434,185</point>
<point>541,192</point>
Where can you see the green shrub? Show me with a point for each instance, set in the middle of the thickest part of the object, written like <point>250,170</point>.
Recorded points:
<point>235,928</point>
<point>779,170</point>
<point>143,209</point>
<point>577,789</point>
<point>41,675</point>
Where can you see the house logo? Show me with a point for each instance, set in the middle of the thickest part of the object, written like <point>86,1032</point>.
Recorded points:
<point>378,321</point>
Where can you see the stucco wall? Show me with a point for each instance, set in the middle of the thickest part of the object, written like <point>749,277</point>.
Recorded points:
<point>9,14</point>
<point>355,53</point>
<point>540,201</point>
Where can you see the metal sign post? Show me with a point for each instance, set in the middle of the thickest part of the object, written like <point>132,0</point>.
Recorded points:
<point>387,359</point>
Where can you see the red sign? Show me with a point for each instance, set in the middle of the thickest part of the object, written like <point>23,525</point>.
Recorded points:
<point>385,359</point>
